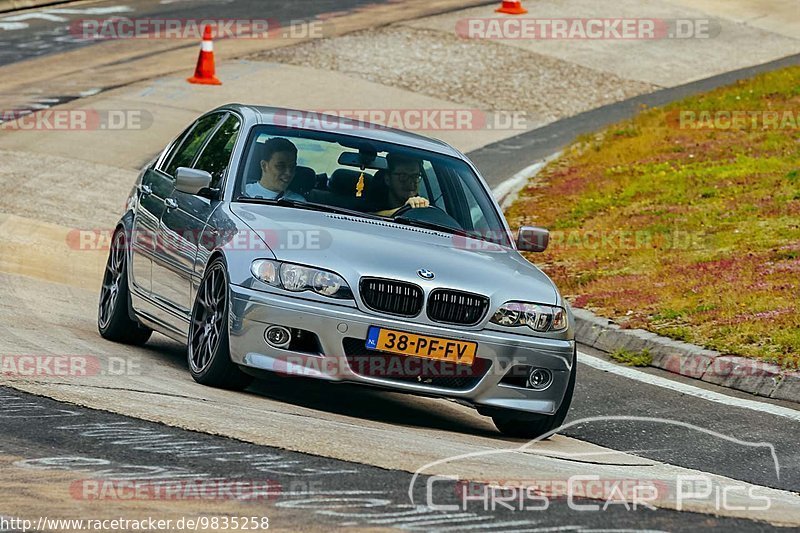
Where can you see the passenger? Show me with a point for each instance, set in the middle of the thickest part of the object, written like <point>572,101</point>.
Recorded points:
<point>403,176</point>
<point>278,161</point>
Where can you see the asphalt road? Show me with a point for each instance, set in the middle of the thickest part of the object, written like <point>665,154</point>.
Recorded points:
<point>43,31</point>
<point>294,490</point>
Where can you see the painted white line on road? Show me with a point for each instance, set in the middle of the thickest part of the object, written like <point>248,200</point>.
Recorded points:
<point>32,16</point>
<point>684,388</point>
<point>13,25</point>
<point>15,22</point>
<point>90,10</point>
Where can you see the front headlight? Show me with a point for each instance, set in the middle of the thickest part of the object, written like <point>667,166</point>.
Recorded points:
<point>266,271</point>
<point>541,318</point>
<point>327,283</point>
<point>295,277</point>
<point>300,278</point>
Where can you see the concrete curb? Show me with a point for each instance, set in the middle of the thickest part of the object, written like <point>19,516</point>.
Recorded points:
<point>13,5</point>
<point>740,373</point>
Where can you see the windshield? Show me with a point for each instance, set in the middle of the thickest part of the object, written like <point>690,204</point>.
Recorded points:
<point>367,178</point>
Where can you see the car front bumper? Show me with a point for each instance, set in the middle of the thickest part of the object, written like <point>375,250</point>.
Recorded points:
<point>337,327</point>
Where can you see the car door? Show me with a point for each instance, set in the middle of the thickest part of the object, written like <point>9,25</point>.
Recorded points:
<point>163,294</point>
<point>184,217</point>
<point>153,188</point>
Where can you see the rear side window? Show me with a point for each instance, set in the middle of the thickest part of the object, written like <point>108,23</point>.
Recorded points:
<point>216,155</point>
<point>191,144</point>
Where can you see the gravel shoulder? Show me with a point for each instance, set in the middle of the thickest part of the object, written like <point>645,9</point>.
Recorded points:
<point>485,74</point>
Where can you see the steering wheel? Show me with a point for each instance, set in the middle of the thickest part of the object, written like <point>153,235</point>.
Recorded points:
<point>432,213</point>
<point>406,208</point>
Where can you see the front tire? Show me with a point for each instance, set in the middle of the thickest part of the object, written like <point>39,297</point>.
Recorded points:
<point>209,343</point>
<point>113,320</point>
<point>534,426</point>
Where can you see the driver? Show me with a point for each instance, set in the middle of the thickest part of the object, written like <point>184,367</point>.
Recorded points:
<point>403,176</point>
<point>278,162</point>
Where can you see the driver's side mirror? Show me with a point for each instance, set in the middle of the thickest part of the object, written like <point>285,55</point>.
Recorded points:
<point>191,180</point>
<point>532,239</point>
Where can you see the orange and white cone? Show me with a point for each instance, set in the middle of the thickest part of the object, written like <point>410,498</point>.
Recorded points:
<point>512,8</point>
<point>205,73</point>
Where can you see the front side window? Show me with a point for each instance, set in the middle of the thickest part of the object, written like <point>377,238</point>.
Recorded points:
<point>368,178</point>
<point>173,148</point>
<point>217,154</point>
<point>192,143</point>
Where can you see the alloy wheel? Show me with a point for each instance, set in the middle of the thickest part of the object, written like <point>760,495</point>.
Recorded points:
<point>208,319</point>
<point>112,280</point>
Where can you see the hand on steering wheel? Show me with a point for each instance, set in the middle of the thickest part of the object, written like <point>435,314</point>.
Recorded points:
<point>417,202</point>
<point>427,213</point>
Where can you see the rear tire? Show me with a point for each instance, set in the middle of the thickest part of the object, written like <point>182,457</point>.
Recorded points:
<point>209,342</point>
<point>534,426</point>
<point>113,320</point>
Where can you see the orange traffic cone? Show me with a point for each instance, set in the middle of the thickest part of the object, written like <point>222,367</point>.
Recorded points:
<point>512,8</point>
<point>204,73</point>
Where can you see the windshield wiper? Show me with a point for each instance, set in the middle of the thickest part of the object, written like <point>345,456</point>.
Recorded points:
<point>311,206</point>
<point>430,225</point>
<point>445,229</point>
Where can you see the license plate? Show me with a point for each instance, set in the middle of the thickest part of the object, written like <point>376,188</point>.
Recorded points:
<point>399,342</point>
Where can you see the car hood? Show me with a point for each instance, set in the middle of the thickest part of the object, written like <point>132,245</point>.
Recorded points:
<point>354,247</point>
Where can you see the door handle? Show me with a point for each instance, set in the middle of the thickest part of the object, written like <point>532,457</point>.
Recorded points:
<point>171,203</point>
<point>146,190</point>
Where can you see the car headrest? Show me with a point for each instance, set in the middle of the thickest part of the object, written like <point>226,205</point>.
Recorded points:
<point>343,181</point>
<point>378,190</point>
<point>253,173</point>
<point>380,175</point>
<point>304,180</point>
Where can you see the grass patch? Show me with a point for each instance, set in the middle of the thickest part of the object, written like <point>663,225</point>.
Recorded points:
<point>688,232</point>
<point>629,358</point>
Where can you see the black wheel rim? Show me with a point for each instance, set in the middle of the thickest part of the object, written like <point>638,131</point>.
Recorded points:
<point>112,280</point>
<point>208,319</point>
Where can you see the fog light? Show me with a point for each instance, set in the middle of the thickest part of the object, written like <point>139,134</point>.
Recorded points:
<point>539,379</point>
<point>278,336</point>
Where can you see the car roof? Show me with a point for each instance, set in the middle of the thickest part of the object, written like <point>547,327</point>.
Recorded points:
<point>267,116</point>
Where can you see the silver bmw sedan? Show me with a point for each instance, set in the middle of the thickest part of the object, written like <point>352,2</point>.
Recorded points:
<point>273,240</point>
